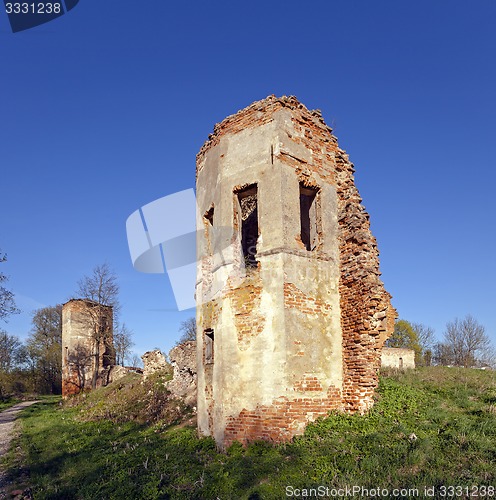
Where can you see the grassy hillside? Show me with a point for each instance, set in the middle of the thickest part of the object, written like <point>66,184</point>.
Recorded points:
<point>429,427</point>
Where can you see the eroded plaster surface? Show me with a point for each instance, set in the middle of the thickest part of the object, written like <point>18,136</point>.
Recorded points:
<point>295,328</point>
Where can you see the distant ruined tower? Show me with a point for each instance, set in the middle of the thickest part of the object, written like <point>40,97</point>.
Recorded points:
<point>291,312</point>
<point>87,345</point>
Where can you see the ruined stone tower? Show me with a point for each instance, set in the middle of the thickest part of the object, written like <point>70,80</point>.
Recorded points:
<point>87,345</point>
<point>292,314</point>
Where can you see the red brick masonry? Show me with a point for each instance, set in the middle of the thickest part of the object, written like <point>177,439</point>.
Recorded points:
<point>367,316</point>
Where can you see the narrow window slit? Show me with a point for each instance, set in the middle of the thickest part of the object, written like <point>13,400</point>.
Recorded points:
<point>248,209</point>
<point>208,223</point>
<point>208,339</point>
<point>309,217</point>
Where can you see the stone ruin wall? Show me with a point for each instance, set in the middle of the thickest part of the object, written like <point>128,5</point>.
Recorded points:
<point>183,384</point>
<point>367,317</point>
<point>79,347</point>
<point>154,362</point>
<point>78,356</point>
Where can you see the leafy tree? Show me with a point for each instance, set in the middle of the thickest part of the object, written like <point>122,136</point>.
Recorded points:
<point>102,289</point>
<point>10,351</point>
<point>7,303</point>
<point>44,346</point>
<point>11,358</point>
<point>465,342</point>
<point>188,327</point>
<point>405,336</point>
<point>123,343</point>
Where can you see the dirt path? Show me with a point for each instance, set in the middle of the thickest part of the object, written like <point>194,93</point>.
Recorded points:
<point>7,422</point>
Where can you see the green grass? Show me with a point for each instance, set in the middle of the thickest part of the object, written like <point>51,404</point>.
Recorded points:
<point>7,402</point>
<point>429,427</point>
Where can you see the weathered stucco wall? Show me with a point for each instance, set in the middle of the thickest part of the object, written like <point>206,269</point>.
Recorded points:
<point>395,357</point>
<point>300,332</point>
<point>80,355</point>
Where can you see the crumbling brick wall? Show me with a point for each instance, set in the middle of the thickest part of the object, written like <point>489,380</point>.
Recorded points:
<point>366,311</point>
<point>153,362</point>
<point>183,360</point>
<point>276,145</point>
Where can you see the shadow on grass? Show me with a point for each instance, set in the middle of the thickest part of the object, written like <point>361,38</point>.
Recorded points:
<point>423,430</point>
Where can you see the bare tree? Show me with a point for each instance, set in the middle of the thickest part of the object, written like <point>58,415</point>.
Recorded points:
<point>425,338</point>
<point>188,327</point>
<point>100,287</point>
<point>466,341</point>
<point>425,335</point>
<point>488,358</point>
<point>7,303</point>
<point>123,343</point>
<point>136,361</point>
<point>101,290</point>
<point>442,354</point>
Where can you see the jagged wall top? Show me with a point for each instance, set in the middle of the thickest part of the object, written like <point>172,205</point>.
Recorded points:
<point>257,114</point>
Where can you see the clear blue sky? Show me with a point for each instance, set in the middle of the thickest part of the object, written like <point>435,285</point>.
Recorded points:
<point>104,109</point>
